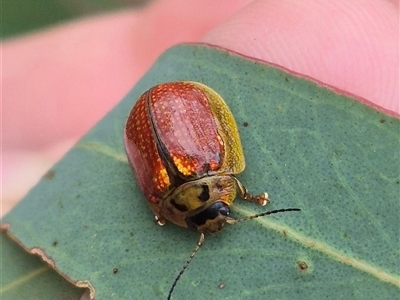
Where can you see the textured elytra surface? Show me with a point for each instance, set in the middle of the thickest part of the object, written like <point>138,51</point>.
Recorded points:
<point>180,131</point>
<point>308,147</point>
<point>187,129</point>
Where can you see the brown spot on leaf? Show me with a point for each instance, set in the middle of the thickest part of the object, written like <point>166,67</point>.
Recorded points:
<point>303,266</point>
<point>49,174</point>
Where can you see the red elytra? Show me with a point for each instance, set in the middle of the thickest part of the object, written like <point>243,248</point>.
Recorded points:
<point>180,116</point>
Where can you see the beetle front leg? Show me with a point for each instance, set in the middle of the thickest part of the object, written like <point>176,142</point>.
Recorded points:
<point>158,218</point>
<point>261,199</point>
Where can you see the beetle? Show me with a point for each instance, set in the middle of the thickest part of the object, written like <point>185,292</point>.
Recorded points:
<point>183,143</point>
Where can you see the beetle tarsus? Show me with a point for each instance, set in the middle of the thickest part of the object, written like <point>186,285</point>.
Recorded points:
<point>159,220</point>
<point>260,199</point>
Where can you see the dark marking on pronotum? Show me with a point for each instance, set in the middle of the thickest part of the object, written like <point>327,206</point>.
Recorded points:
<point>205,193</point>
<point>179,207</point>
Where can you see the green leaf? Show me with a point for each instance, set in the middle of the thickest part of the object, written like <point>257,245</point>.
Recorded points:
<point>26,276</point>
<point>309,147</point>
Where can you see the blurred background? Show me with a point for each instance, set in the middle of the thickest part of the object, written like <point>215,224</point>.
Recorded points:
<point>24,16</point>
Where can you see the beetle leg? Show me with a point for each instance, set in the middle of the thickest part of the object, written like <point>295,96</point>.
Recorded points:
<point>261,199</point>
<point>159,220</point>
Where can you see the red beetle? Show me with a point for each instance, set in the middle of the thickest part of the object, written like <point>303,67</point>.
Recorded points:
<point>183,143</point>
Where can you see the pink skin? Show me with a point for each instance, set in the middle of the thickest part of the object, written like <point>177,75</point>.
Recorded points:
<point>59,82</point>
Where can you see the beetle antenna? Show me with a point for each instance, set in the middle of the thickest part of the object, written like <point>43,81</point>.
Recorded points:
<point>199,243</point>
<point>234,221</point>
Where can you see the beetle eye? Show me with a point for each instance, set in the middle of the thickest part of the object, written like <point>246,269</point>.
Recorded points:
<point>224,210</point>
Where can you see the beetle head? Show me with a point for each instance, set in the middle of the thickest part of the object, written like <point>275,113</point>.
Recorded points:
<point>203,204</point>
<point>211,219</point>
